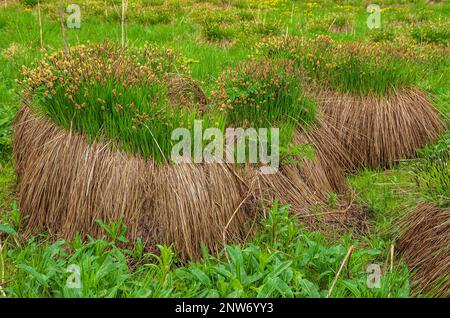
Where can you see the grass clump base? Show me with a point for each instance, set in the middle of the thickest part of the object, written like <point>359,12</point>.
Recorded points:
<point>424,243</point>
<point>181,204</point>
<point>66,184</point>
<point>90,157</point>
<point>61,174</point>
<point>380,131</point>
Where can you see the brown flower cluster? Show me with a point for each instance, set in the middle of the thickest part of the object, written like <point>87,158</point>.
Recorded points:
<point>91,65</point>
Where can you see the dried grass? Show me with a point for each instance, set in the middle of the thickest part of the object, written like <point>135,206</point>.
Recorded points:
<point>185,91</point>
<point>379,131</point>
<point>311,206</point>
<point>424,243</point>
<point>327,172</point>
<point>66,184</point>
<point>306,186</point>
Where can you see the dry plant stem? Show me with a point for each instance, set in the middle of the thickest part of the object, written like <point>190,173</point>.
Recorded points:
<point>392,258</point>
<point>349,253</point>
<point>331,25</point>
<point>391,251</point>
<point>224,234</point>
<point>63,31</point>
<point>2,292</point>
<point>124,5</point>
<point>40,26</point>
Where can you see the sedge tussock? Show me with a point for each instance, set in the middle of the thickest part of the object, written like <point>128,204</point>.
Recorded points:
<point>379,131</point>
<point>66,184</point>
<point>424,243</point>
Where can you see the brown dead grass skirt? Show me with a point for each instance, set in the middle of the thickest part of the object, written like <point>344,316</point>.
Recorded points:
<point>424,244</point>
<point>378,131</point>
<point>66,184</point>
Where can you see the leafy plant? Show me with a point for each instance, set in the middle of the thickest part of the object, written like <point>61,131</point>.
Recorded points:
<point>432,33</point>
<point>291,154</point>
<point>29,3</point>
<point>283,260</point>
<point>115,230</point>
<point>5,130</point>
<point>432,170</point>
<point>263,93</point>
<point>381,35</point>
<point>358,68</point>
<point>102,91</point>
<point>214,31</point>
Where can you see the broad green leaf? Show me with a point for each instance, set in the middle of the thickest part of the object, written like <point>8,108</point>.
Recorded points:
<point>353,287</point>
<point>280,268</point>
<point>309,289</point>
<point>201,276</point>
<point>266,291</point>
<point>281,287</point>
<point>7,229</point>
<point>41,278</point>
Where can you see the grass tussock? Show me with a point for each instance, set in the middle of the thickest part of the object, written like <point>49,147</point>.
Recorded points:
<point>66,184</point>
<point>424,244</point>
<point>112,94</point>
<point>379,131</point>
<point>61,174</point>
<point>118,173</point>
<point>350,67</point>
<point>431,171</point>
<point>326,171</point>
<point>264,93</point>
<point>116,108</point>
<point>132,97</point>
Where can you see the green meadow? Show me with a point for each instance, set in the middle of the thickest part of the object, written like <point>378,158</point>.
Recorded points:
<point>233,50</point>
